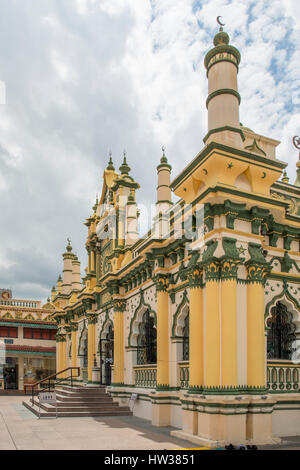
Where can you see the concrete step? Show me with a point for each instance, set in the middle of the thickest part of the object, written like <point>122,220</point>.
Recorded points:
<point>102,399</point>
<point>70,393</point>
<point>84,413</point>
<point>80,389</point>
<point>76,406</point>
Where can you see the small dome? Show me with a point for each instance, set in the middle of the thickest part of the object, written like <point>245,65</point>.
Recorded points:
<point>221,38</point>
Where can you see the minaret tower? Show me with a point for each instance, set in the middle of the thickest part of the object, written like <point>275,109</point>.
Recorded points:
<point>296,142</point>
<point>68,257</point>
<point>164,196</point>
<point>76,280</point>
<point>222,65</point>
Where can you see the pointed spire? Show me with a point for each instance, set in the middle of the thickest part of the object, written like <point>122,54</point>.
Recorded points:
<point>96,204</point>
<point>69,246</point>
<point>110,165</point>
<point>285,178</point>
<point>296,142</point>
<point>163,158</point>
<point>124,168</point>
<point>297,182</point>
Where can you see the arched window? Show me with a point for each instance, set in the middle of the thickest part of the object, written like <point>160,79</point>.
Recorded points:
<point>85,352</point>
<point>146,342</point>
<point>107,355</point>
<point>281,333</point>
<point>186,339</point>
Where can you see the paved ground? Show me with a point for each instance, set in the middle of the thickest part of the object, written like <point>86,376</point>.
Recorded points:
<point>22,430</point>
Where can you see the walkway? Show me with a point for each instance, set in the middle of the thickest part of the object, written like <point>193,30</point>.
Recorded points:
<point>20,429</point>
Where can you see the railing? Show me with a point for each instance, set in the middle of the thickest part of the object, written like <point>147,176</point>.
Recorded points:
<point>283,377</point>
<point>21,303</point>
<point>145,376</point>
<point>184,374</point>
<point>84,374</point>
<point>52,381</point>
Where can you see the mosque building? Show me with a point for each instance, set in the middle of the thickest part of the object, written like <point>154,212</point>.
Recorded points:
<point>200,318</point>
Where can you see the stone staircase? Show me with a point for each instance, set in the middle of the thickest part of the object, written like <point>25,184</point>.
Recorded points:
<point>79,401</point>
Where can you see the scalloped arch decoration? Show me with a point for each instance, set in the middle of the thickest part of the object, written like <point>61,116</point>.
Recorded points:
<point>137,318</point>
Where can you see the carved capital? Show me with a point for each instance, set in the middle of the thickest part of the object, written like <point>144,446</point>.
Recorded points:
<point>194,276</point>
<point>228,268</point>
<point>92,318</point>
<point>212,271</point>
<point>161,282</point>
<point>257,272</point>
<point>61,338</point>
<point>119,305</point>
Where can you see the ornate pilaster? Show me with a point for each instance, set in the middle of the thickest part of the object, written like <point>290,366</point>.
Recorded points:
<point>74,329</point>
<point>119,309</point>
<point>257,268</point>
<point>212,323</point>
<point>92,320</point>
<point>162,284</point>
<point>194,275</point>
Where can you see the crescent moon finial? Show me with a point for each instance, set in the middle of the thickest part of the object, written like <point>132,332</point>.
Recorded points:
<point>296,142</point>
<point>219,21</point>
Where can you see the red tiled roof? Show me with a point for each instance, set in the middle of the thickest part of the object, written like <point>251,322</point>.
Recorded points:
<point>18,347</point>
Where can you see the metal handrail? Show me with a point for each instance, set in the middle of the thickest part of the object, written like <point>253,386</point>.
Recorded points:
<point>50,377</point>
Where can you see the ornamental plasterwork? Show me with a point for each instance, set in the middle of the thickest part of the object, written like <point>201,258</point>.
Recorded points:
<point>294,205</point>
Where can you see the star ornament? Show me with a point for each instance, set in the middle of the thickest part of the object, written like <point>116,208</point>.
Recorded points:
<point>242,250</point>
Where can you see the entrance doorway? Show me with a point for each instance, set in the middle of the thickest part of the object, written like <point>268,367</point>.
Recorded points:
<point>10,375</point>
<point>106,356</point>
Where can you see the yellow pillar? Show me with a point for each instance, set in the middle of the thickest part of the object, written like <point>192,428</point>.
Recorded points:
<point>63,355</point>
<point>58,353</point>
<point>196,330</point>
<point>74,329</point>
<point>229,323</point>
<point>92,320</point>
<point>212,326</point>
<point>256,354</point>
<point>119,308</point>
<point>162,377</point>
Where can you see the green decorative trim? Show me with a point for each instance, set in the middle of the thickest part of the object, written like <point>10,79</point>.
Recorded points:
<point>216,130</point>
<point>183,303</point>
<point>223,91</point>
<point>92,318</point>
<point>60,338</point>
<point>35,353</point>
<point>229,390</point>
<point>211,247</point>
<point>194,276</point>
<point>162,387</point>
<point>28,325</point>
<point>257,266</point>
<point>84,329</point>
<point>212,270</point>
<point>141,304</point>
<point>195,389</point>
<point>161,282</point>
<point>106,319</point>
<point>284,293</point>
<point>239,153</point>
<point>255,148</point>
<point>119,305</point>
<point>222,49</point>
<point>222,60</point>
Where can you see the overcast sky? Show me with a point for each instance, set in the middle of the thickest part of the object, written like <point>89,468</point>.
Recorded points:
<point>86,76</point>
